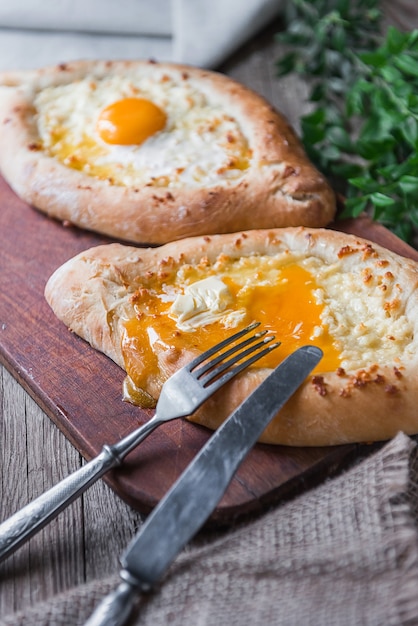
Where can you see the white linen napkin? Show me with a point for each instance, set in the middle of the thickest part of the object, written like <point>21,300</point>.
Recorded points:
<point>140,17</point>
<point>196,32</point>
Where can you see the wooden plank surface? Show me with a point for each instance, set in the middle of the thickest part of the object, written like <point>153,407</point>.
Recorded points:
<point>85,540</point>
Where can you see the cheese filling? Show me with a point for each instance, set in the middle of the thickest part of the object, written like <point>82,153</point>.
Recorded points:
<point>199,143</point>
<point>200,306</point>
<point>356,318</point>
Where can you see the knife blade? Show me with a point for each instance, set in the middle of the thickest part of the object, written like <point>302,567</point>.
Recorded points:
<point>193,497</point>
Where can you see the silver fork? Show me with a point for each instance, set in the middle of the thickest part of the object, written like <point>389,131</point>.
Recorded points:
<point>181,395</point>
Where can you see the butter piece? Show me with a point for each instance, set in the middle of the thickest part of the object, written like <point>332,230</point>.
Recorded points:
<point>202,303</point>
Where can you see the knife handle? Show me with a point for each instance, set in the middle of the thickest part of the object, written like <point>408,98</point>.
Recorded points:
<point>116,607</point>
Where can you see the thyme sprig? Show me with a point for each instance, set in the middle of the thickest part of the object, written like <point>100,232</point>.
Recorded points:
<point>362,127</point>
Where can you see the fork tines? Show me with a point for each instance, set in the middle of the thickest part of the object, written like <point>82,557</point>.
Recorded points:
<point>225,361</point>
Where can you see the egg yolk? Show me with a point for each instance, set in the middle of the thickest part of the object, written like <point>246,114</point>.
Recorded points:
<point>288,309</point>
<point>130,121</point>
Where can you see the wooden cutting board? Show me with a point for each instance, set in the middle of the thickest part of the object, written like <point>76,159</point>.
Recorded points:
<point>80,389</point>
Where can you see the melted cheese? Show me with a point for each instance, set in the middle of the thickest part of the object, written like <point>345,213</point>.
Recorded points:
<point>355,316</point>
<point>199,144</point>
<point>363,312</point>
<point>195,309</point>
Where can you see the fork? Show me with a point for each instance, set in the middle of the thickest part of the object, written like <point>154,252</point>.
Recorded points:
<point>181,395</point>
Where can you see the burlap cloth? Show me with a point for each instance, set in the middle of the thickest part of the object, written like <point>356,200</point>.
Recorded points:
<point>344,553</point>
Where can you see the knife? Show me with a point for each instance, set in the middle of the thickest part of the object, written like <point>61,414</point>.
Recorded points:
<point>193,497</point>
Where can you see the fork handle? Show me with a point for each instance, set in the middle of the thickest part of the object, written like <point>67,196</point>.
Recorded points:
<point>21,526</point>
<point>34,516</point>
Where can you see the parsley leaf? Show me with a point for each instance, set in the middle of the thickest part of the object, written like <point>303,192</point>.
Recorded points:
<point>362,128</point>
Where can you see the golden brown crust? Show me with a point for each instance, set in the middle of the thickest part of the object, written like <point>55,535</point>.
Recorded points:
<point>90,294</point>
<point>280,188</point>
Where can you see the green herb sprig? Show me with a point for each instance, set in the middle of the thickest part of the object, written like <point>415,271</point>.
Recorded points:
<point>362,129</point>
